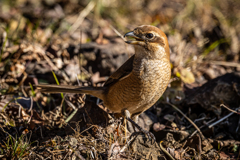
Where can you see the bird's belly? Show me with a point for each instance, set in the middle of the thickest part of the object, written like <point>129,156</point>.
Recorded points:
<point>152,90</point>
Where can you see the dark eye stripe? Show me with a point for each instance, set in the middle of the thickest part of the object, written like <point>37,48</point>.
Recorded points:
<point>158,40</point>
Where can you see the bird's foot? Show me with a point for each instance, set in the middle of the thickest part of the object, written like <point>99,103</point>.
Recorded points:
<point>141,130</point>
<point>132,123</point>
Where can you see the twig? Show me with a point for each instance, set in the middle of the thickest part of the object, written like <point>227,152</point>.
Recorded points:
<point>222,105</point>
<point>220,120</point>
<point>223,63</point>
<point>49,61</point>
<point>127,144</point>
<point>7,133</point>
<point>40,128</point>
<point>202,127</point>
<point>87,129</point>
<point>71,116</point>
<point>81,16</point>
<point>165,151</point>
<point>199,147</point>
<point>202,136</point>
<point>31,106</point>
<point>21,83</point>
<point>196,120</point>
<point>119,34</point>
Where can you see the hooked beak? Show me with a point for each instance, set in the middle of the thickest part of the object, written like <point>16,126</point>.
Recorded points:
<point>137,40</point>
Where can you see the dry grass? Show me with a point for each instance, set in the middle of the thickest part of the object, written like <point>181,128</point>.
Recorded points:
<point>76,40</point>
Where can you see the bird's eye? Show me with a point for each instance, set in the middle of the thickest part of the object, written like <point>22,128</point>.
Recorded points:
<point>149,35</point>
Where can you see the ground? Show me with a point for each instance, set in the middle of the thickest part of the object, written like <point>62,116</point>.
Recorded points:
<point>80,43</point>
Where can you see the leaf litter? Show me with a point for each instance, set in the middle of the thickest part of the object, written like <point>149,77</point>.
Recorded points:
<point>38,37</point>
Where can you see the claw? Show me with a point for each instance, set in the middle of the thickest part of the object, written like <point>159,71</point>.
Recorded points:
<point>149,134</point>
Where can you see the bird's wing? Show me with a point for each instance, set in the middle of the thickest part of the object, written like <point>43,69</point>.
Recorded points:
<point>122,72</point>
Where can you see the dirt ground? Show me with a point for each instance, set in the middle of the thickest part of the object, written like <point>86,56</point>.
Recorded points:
<point>80,43</point>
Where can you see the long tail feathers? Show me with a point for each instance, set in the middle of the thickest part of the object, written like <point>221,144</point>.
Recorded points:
<point>95,91</point>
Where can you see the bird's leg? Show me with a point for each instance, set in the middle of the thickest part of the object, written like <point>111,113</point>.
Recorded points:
<point>132,123</point>
<point>126,114</point>
<point>135,119</point>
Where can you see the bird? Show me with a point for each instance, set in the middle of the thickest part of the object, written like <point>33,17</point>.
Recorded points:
<point>139,82</point>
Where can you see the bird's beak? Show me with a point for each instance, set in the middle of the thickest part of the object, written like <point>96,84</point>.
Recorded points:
<point>138,40</point>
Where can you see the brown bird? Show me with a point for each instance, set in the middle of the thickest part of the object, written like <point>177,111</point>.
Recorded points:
<point>139,82</point>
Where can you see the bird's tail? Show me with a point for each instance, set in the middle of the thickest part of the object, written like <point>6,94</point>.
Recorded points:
<point>95,91</point>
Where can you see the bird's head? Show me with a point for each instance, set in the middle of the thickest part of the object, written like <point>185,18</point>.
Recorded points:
<point>150,40</point>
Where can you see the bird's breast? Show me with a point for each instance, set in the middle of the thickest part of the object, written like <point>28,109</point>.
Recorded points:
<point>154,76</point>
